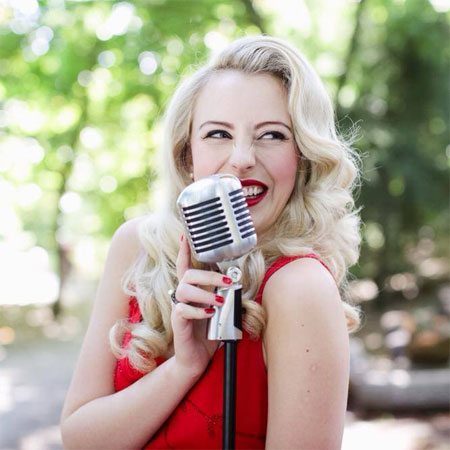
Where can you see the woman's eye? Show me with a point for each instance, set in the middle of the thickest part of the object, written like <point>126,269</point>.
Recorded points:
<point>274,135</point>
<point>218,134</point>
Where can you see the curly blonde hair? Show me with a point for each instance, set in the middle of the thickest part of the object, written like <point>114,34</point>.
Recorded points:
<point>320,216</point>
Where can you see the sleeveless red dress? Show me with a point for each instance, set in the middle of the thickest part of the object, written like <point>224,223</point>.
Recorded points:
<point>196,423</point>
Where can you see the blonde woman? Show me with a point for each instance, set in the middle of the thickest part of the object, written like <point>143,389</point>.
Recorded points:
<point>146,375</point>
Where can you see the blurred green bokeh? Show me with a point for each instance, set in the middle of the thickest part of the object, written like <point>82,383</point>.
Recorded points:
<point>83,86</point>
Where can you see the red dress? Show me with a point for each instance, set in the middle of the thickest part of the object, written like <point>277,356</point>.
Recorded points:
<point>196,423</point>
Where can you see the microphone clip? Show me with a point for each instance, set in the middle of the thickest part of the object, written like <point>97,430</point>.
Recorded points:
<point>226,324</point>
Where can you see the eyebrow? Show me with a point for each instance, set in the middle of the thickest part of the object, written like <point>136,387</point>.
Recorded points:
<point>229,125</point>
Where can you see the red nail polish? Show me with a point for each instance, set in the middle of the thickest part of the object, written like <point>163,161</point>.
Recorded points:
<point>227,280</point>
<point>210,310</point>
<point>181,238</point>
<point>219,299</point>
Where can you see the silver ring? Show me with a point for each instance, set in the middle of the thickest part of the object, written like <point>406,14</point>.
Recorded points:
<point>171,293</point>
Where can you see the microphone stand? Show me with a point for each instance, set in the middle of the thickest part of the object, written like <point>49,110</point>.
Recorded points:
<point>226,325</point>
<point>219,200</point>
<point>229,396</point>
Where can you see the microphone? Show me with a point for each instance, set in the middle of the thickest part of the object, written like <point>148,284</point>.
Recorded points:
<point>220,230</point>
<point>217,219</point>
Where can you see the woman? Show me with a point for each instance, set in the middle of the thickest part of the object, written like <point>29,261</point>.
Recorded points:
<point>257,111</point>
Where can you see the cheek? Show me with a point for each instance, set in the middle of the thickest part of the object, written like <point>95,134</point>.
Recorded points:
<point>285,172</point>
<point>200,161</point>
<point>207,160</point>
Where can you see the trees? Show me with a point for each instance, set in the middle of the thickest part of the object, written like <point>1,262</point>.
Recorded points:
<point>83,87</point>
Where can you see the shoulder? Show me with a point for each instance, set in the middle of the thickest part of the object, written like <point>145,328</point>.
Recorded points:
<point>304,281</point>
<point>302,301</point>
<point>125,247</point>
<point>307,346</point>
<point>126,237</point>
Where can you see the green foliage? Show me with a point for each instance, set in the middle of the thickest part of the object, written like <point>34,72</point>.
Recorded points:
<point>83,86</point>
<point>400,72</point>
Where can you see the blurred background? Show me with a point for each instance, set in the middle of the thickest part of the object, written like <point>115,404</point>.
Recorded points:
<point>83,85</point>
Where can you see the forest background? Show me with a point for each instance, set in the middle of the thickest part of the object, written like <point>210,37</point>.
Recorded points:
<point>83,86</point>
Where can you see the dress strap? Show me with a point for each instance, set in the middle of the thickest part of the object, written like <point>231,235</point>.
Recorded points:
<point>279,263</point>
<point>134,313</point>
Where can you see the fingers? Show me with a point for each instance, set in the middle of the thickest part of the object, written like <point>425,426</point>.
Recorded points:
<point>183,312</point>
<point>187,290</point>
<point>205,278</point>
<point>187,293</point>
<point>183,261</point>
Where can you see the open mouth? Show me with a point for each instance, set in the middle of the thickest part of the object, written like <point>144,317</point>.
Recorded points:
<point>254,191</point>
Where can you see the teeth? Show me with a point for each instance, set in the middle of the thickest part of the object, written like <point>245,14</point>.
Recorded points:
<point>251,191</point>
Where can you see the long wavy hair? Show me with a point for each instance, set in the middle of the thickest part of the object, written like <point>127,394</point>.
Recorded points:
<point>320,216</point>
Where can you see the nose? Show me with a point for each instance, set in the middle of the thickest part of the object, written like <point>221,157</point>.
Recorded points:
<point>243,157</point>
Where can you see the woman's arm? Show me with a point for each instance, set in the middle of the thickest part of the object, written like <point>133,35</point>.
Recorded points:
<point>94,416</point>
<point>307,347</point>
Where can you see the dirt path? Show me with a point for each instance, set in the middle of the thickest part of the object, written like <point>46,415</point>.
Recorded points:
<point>34,379</point>
<point>33,383</point>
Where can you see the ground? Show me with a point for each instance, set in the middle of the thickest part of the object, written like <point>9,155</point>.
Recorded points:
<point>34,379</point>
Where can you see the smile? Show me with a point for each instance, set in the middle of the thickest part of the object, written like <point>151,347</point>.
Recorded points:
<point>251,201</point>
<point>254,191</point>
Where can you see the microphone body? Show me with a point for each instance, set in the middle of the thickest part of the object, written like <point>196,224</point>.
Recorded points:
<point>220,230</point>
<point>217,219</point>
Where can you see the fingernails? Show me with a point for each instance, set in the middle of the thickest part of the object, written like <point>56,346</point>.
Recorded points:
<point>181,238</point>
<point>210,310</point>
<point>227,280</point>
<point>219,299</point>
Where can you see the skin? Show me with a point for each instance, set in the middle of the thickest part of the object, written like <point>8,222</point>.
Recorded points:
<point>241,126</point>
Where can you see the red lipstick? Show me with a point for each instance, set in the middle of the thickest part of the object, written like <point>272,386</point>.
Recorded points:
<point>250,182</point>
<point>256,199</point>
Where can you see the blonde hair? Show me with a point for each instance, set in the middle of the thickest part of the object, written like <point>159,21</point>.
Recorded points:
<point>320,216</point>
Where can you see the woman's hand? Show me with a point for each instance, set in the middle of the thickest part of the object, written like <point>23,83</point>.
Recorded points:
<point>189,317</point>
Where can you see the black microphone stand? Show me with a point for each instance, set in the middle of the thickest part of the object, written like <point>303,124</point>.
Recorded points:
<point>229,379</point>
<point>229,396</point>
<point>226,326</point>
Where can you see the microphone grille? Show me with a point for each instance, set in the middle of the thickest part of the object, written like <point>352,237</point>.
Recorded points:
<point>242,214</point>
<point>217,218</point>
<point>207,225</point>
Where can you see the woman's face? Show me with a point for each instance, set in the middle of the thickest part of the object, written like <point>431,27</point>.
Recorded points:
<point>241,126</point>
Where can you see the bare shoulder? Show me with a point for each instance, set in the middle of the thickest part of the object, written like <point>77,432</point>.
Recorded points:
<point>303,304</point>
<point>307,348</point>
<point>304,282</point>
<point>126,239</point>
<point>93,375</point>
<point>124,251</point>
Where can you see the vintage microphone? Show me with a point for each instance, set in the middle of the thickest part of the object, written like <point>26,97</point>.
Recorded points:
<point>220,230</point>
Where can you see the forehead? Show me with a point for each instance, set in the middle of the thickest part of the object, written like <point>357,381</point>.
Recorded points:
<point>235,96</point>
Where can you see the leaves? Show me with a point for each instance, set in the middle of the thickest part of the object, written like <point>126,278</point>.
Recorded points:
<point>84,84</point>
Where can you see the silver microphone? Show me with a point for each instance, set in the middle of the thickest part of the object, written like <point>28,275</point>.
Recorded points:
<point>220,230</point>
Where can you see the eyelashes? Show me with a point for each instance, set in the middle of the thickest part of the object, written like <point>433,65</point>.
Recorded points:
<point>276,135</point>
<point>221,134</point>
<point>213,134</point>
